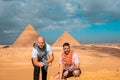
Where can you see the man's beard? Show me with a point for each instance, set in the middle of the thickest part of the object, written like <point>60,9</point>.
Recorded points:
<point>67,52</point>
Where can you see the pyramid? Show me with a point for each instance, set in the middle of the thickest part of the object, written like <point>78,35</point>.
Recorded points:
<point>66,37</point>
<point>26,38</point>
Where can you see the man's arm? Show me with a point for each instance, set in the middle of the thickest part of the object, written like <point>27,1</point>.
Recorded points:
<point>35,61</point>
<point>50,58</point>
<point>77,61</point>
<point>61,66</point>
<point>77,65</point>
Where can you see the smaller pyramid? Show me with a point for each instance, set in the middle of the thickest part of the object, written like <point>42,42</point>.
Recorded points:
<point>66,37</point>
<point>27,37</point>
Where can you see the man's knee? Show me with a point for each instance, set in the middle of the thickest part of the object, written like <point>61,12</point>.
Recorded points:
<point>65,73</point>
<point>77,73</point>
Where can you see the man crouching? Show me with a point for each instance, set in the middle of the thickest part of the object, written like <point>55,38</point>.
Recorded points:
<point>69,63</point>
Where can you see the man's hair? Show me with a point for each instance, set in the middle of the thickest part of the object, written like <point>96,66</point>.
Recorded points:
<point>66,44</point>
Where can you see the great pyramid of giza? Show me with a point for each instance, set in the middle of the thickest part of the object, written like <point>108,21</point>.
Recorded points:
<point>66,37</point>
<point>26,38</point>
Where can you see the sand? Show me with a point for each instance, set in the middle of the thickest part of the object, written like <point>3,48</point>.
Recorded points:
<point>97,63</point>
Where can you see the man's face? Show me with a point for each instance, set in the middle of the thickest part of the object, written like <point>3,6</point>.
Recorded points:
<point>41,42</point>
<point>66,49</point>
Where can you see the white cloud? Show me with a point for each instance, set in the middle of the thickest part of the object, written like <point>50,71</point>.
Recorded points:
<point>9,31</point>
<point>70,8</point>
<point>61,14</point>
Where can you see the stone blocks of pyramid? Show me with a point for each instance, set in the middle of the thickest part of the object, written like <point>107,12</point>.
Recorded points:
<point>66,37</point>
<point>27,37</point>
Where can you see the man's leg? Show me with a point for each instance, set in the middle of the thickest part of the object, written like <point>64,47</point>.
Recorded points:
<point>66,74</point>
<point>36,72</point>
<point>44,73</point>
<point>76,72</point>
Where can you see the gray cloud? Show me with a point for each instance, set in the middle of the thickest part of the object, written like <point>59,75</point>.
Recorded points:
<point>100,11</point>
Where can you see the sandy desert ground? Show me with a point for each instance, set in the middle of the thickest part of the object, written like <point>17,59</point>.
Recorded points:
<point>97,63</point>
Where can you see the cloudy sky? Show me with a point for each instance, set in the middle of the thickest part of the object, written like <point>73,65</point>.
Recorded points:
<point>89,21</point>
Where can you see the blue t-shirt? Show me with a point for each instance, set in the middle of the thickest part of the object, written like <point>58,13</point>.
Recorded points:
<point>35,51</point>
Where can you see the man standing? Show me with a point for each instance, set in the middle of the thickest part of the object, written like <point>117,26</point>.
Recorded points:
<point>42,57</point>
<point>69,63</point>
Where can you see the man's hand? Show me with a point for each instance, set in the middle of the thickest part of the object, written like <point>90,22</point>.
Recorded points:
<point>41,64</point>
<point>49,64</point>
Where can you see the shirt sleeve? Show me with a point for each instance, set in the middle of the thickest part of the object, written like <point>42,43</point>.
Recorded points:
<point>76,58</point>
<point>49,50</point>
<point>34,53</point>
